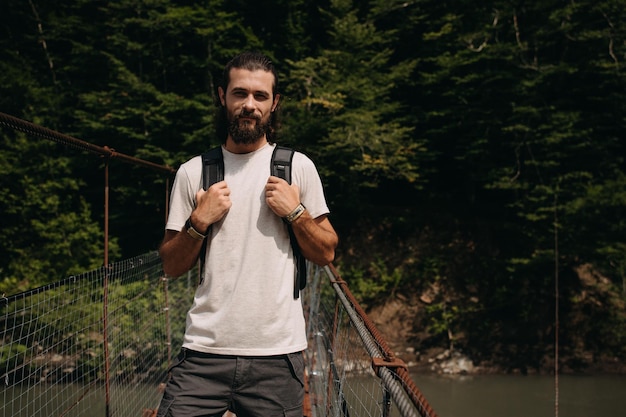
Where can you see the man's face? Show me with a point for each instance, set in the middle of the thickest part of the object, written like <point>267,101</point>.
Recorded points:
<point>249,104</point>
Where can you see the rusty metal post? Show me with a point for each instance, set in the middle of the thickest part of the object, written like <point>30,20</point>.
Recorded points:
<point>105,298</point>
<point>106,212</point>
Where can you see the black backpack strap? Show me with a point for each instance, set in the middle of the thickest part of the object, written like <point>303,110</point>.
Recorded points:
<point>281,162</point>
<point>212,172</point>
<point>281,167</point>
<point>212,167</point>
<point>300,276</point>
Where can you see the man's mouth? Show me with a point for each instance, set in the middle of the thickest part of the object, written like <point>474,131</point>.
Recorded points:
<point>248,117</point>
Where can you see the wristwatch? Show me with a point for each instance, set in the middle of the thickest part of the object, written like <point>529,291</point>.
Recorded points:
<point>297,212</point>
<point>191,231</point>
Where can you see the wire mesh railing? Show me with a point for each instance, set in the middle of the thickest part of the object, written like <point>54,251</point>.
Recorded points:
<point>351,370</point>
<point>53,361</point>
<point>100,343</point>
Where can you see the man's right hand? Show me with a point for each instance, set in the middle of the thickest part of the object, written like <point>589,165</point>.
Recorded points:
<point>211,206</point>
<point>179,252</point>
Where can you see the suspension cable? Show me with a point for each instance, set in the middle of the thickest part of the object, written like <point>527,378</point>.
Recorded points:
<point>45,133</point>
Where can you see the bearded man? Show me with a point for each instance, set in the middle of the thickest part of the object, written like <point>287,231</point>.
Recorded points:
<point>245,332</point>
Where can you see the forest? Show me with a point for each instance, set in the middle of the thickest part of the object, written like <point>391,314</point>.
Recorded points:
<point>472,152</point>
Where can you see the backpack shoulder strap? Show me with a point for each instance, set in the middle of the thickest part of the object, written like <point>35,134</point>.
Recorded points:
<point>281,167</point>
<point>212,167</point>
<point>212,172</point>
<point>281,162</point>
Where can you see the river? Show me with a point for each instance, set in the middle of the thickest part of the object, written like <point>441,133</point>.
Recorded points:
<point>449,396</point>
<point>524,396</point>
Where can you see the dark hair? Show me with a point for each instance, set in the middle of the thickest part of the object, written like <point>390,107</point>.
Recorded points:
<point>251,61</point>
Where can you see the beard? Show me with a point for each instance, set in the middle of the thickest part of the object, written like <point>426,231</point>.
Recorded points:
<point>244,133</point>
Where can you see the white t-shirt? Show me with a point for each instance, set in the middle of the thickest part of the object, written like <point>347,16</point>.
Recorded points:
<point>245,304</point>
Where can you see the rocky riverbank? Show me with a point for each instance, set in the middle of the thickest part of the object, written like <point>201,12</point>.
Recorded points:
<point>395,319</point>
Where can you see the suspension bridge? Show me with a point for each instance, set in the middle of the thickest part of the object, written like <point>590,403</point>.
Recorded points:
<point>100,343</point>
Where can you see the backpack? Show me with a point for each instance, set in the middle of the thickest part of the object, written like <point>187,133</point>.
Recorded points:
<point>280,166</point>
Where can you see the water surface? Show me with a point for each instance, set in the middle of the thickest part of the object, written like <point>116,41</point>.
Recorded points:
<point>524,396</point>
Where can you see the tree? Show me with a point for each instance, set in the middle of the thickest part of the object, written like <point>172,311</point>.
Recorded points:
<point>512,98</point>
<point>48,230</point>
<point>344,94</point>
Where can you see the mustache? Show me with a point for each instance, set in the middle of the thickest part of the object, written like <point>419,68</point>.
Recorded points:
<point>248,115</point>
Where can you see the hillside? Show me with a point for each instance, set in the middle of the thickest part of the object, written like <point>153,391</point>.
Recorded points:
<point>403,320</point>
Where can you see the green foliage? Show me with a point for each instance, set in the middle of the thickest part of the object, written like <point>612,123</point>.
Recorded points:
<point>48,233</point>
<point>376,281</point>
<point>347,87</point>
<point>478,145</point>
<point>11,357</point>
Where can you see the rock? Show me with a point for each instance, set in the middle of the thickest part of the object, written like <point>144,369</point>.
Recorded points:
<point>453,363</point>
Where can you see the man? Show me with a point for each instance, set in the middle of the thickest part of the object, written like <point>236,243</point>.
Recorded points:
<point>245,333</point>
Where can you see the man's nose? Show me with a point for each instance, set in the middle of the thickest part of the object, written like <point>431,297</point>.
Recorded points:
<point>248,103</point>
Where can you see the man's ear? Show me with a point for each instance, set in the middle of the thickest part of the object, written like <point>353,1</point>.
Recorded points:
<point>220,93</point>
<point>276,100</point>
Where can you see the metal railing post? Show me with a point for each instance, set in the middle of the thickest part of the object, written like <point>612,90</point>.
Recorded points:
<point>105,298</point>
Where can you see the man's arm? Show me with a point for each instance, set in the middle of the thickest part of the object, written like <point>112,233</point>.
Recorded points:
<point>316,237</point>
<point>179,251</point>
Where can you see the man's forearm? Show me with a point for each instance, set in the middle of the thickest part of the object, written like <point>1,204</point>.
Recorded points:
<point>179,252</point>
<point>316,237</point>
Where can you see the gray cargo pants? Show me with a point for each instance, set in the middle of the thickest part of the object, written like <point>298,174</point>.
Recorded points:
<point>207,385</point>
